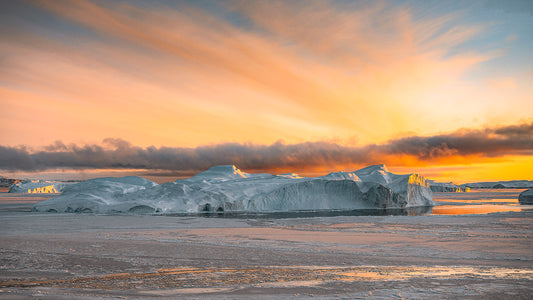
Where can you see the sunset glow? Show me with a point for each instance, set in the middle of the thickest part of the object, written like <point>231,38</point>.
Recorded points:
<point>288,86</point>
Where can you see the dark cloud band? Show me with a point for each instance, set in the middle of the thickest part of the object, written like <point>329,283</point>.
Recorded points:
<point>117,153</point>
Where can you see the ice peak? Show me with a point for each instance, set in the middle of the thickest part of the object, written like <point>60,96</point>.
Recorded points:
<point>224,172</point>
<point>342,176</point>
<point>227,169</point>
<point>373,169</point>
<point>376,173</point>
<point>224,168</point>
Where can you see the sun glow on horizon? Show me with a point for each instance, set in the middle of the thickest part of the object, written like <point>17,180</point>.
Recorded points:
<point>191,75</point>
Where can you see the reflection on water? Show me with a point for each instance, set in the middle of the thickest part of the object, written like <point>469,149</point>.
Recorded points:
<point>478,201</point>
<point>473,209</point>
<point>480,194</point>
<point>412,211</point>
<point>487,201</point>
<point>398,273</point>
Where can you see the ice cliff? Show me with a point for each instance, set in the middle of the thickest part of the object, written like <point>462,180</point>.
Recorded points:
<point>37,186</point>
<point>226,188</point>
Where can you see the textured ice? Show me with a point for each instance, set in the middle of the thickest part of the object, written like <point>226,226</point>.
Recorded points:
<point>226,188</point>
<point>97,195</point>
<point>38,186</point>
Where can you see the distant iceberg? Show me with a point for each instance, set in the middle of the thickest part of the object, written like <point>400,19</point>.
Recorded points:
<point>511,184</point>
<point>447,187</point>
<point>226,188</point>
<point>38,187</point>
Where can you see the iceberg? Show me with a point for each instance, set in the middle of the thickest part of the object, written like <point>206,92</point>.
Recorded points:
<point>447,187</point>
<point>226,188</point>
<point>95,195</point>
<point>511,184</point>
<point>526,197</point>
<point>7,182</point>
<point>38,187</point>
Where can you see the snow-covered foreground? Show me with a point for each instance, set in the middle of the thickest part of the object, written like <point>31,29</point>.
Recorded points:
<point>226,188</point>
<point>86,256</point>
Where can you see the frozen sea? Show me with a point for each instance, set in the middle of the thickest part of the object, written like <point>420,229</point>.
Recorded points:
<point>475,245</point>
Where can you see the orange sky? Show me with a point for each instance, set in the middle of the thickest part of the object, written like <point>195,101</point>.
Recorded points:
<point>190,74</point>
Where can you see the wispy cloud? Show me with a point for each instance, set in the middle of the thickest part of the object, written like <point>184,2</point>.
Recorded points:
<point>414,150</point>
<point>185,76</point>
<point>502,83</point>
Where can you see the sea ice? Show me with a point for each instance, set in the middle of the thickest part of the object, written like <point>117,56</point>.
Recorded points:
<point>226,188</point>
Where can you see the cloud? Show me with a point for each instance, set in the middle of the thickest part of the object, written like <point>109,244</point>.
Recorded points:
<point>119,154</point>
<point>315,69</point>
<point>488,142</point>
<point>502,83</point>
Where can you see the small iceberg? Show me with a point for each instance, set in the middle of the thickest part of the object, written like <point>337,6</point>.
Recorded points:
<point>38,187</point>
<point>526,197</point>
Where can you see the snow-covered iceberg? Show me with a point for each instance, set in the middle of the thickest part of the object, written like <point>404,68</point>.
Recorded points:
<point>96,195</point>
<point>226,188</point>
<point>38,186</point>
<point>447,187</point>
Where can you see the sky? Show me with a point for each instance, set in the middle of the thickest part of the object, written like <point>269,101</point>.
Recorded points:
<point>443,88</point>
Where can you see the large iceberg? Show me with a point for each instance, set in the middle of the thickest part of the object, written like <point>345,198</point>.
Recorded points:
<point>38,186</point>
<point>226,188</point>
